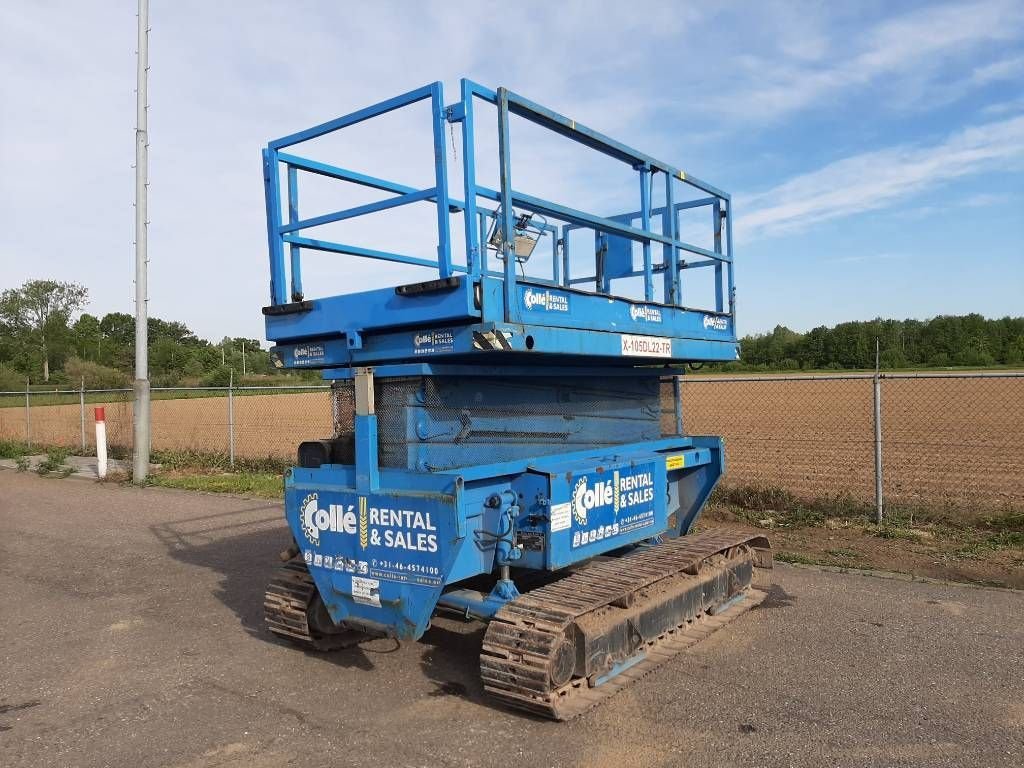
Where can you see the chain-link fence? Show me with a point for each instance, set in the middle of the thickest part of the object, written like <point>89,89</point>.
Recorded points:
<point>811,436</point>
<point>955,440</point>
<point>940,439</point>
<point>235,422</point>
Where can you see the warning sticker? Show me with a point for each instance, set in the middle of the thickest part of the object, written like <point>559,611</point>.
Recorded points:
<point>675,462</point>
<point>561,516</point>
<point>366,591</point>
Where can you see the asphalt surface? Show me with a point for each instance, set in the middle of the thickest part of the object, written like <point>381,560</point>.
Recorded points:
<point>130,635</point>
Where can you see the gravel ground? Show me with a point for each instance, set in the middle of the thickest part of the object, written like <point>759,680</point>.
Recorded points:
<point>131,635</point>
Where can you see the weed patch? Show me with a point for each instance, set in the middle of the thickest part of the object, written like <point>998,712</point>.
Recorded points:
<point>894,531</point>
<point>214,460</point>
<point>844,554</point>
<point>262,484</point>
<point>770,506</point>
<point>798,558</point>
<point>13,449</point>
<point>1010,522</point>
<point>53,465</point>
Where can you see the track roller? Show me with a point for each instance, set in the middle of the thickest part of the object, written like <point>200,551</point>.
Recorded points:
<point>294,611</point>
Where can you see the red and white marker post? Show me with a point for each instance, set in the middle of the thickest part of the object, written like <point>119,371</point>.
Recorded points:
<point>101,442</point>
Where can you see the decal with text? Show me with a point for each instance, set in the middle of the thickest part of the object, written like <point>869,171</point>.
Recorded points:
<point>432,342</point>
<point>372,540</point>
<point>716,322</point>
<point>609,504</point>
<point>544,300</point>
<point>644,313</point>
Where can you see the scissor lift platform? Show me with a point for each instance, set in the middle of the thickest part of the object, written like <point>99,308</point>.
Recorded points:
<point>478,308</point>
<point>502,427</point>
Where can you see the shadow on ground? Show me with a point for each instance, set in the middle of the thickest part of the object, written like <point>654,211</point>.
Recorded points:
<point>451,659</point>
<point>777,598</point>
<point>242,546</point>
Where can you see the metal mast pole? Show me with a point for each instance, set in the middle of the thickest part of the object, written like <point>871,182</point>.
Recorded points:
<point>140,467</point>
<point>878,436</point>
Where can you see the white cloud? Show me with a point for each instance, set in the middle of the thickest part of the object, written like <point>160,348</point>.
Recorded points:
<point>918,46</point>
<point>1003,69</point>
<point>877,179</point>
<point>1000,108</point>
<point>928,93</point>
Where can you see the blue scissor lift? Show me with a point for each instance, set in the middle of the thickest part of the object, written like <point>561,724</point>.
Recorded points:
<point>500,447</point>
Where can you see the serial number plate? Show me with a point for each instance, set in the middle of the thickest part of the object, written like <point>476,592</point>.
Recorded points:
<point>645,346</point>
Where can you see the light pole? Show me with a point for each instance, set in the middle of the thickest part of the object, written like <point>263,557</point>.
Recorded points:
<point>140,464</point>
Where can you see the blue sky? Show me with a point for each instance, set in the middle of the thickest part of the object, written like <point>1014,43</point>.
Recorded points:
<point>875,150</point>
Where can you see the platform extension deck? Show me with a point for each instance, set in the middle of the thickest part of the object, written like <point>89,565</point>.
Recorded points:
<point>450,324</point>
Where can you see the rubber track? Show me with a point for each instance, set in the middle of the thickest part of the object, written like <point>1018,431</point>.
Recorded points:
<point>522,638</point>
<point>286,603</point>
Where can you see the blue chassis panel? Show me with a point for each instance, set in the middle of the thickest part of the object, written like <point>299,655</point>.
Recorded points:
<point>383,557</point>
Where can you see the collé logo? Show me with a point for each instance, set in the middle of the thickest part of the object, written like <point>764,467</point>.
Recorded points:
<point>716,322</point>
<point>308,351</point>
<point>335,518</point>
<point>429,342</point>
<point>644,313</point>
<point>433,337</point>
<point>548,301</point>
<point>584,498</point>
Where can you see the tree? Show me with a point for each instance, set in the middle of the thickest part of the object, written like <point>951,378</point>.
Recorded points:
<point>119,327</point>
<point>39,309</point>
<point>176,332</point>
<point>86,336</point>
<point>965,340</point>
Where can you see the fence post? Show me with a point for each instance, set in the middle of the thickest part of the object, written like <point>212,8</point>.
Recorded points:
<point>81,410</point>
<point>100,416</point>
<point>677,401</point>
<point>28,418</point>
<point>878,437</point>
<point>231,418</point>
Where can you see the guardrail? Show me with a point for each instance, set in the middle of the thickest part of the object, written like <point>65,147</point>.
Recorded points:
<point>614,235</point>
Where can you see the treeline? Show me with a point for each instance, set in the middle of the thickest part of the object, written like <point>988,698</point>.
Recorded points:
<point>941,342</point>
<point>43,342</point>
<point>45,338</point>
